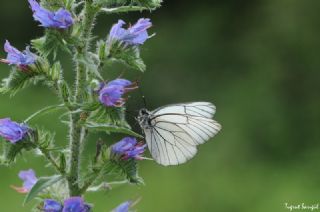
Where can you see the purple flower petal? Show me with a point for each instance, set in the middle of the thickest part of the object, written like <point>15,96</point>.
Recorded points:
<point>61,19</point>
<point>135,35</point>
<point>51,205</point>
<point>123,207</point>
<point>75,204</point>
<point>16,57</point>
<point>110,94</point>
<point>128,147</point>
<point>120,82</point>
<point>12,131</point>
<point>29,180</point>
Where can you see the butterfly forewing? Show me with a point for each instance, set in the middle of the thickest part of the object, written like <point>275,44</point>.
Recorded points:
<point>174,131</point>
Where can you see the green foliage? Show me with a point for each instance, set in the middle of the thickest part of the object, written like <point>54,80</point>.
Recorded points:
<point>43,111</point>
<point>21,78</point>
<point>129,5</point>
<point>13,150</point>
<point>128,55</point>
<point>62,161</point>
<point>92,62</point>
<point>128,168</point>
<point>108,115</point>
<point>18,80</point>
<point>108,120</point>
<point>44,140</point>
<point>111,129</point>
<point>53,4</point>
<point>52,42</point>
<point>41,185</point>
<point>151,4</point>
<point>64,92</point>
<point>86,113</point>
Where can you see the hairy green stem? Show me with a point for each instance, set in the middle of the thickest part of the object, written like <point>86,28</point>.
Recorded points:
<point>77,133</point>
<point>53,162</point>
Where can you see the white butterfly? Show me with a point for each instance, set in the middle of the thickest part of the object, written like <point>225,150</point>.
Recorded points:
<point>173,132</point>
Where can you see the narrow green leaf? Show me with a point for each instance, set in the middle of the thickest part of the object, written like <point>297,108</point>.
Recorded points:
<point>111,128</point>
<point>44,111</point>
<point>42,183</point>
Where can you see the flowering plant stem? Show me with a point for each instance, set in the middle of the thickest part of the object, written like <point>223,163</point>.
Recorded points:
<point>77,132</point>
<point>93,105</point>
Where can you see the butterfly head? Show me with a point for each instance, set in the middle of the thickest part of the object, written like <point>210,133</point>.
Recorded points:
<point>144,118</point>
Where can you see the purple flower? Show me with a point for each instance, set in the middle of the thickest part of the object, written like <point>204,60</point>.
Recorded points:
<point>12,131</point>
<point>61,19</point>
<point>127,148</point>
<point>134,35</point>
<point>51,205</point>
<point>110,94</point>
<point>75,204</point>
<point>16,57</point>
<point>29,179</point>
<point>120,82</point>
<point>123,207</point>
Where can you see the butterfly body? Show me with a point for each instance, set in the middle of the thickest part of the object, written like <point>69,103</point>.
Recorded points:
<point>173,132</point>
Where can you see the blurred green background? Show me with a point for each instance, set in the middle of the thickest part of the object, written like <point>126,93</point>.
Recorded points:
<point>257,61</point>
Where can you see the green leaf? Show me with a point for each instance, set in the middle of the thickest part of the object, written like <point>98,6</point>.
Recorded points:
<point>18,80</point>
<point>111,128</point>
<point>44,111</point>
<point>44,139</point>
<point>13,150</point>
<point>128,55</point>
<point>64,91</point>
<point>41,184</point>
<point>63,163</point>
<point>110,115</point>
<point>118,6</point>
<point>151,4</point>
<point>55,71</point>
<point>92,63</point>
<point>51,43</point>
<point>128,168</point>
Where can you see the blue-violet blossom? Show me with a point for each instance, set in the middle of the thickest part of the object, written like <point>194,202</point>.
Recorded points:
<point>12,131</point>
<point>127,148</point>
<point>29,179</point>
<point>75,204</point>
<point>16,57</point>
<point>123,207</point>
<point>61,19</point>
<point>134,35</point>
<point>110,94</point>
<point>51,205</point>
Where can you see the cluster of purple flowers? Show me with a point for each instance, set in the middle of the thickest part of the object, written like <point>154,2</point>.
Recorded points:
<point>12,131</point>
<point>72,204</point>
<point>134,35</point>
<point>127,148</point>
<point>60,19</point>
<point>111,93</point>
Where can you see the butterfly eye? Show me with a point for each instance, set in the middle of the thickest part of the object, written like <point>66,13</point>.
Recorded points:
<point>143,112</point>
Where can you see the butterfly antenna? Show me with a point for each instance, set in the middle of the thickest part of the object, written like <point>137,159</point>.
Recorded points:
<point>144,101</point>
<point>141,93</point>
